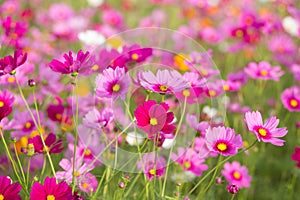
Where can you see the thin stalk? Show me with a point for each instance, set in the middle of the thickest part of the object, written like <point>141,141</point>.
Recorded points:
<point>28,172</point>
<point>19,163</point>
<point>171,150</point>
<point>100,184</point>
<point>36,125</point>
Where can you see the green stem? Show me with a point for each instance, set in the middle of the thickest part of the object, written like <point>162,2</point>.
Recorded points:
<point>100,184</point>
<point>171,150</point>
<point>36,125</point>
<point>19,163</point>
<point>28,172</point>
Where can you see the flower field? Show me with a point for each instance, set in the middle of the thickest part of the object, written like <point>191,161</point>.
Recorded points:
<point>149,99</point>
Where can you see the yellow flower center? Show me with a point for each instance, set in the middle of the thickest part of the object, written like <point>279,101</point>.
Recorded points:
<point>222,146</point>
<point>11,79</point>
<point>116,87</point>
<point>134,56</point>
<point>226,87</point>
<point>85,185</point>
<point>76,173</point>
<point>50,197</point>
<point>153,121</point>
<point>1,104</point>
<point>203,72</point>
<point>186,93</point>
<point>262,132</point>
<point>46,149</point>
<point>27,125</point>
<point>294,103</point>
<point>87,152</point>
<point>58,116</point>
<point>239,33</point>
<point>163,88</point>
<point>236,175</point>
<point>95,67</point>
<point>152,172</point>
<point>212,93</point>
<point>1,197</point>
<point>264,72</point>
<point>187,164</point>
<point>245,144</point>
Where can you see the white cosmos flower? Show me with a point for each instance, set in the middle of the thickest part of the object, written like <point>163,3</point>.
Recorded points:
<point>168,143</point>
<point>291,25</point>
<point>91,37</point>
<point>134,139</point>
<point>95,3</point>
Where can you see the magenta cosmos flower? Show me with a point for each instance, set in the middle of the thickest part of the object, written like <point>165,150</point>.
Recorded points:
<point>165,81</point>
<point>266,132</point>
<point>291,98</point>
<point>223,141</point>
<point>154,118</point>
<point>51,190</point>
<point>296,156</point>
<point>52,144</point>
<point>9,190</point>
<point>236,174</point>
<point>112,83</point>
<point>8,64</point>
<point>152,165</point>
<point>264,70</point>
<point>82,64</point>
<point>6,101</point>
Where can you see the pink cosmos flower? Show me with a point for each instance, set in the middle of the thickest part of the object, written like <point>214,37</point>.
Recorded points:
<point>89,183</point>
<point>97,119</point>
<point>236,174</point>
<point>194,123</point>
<point>67,165</point>
<point>82,64</point>
<point>9,190</point>
<point>6,101</point>
<point>190,161</point>
<point>238,77</point>
<point>9,64</point>
<point>296,156</point>
<point>52,145</point>
<point>264,70</point>
<point>266,132</point>
<point>152,165</point>
<point>154,118</point>
<point>223,141</point>
<point>165,81</point>
<point>51,190</point>
<point>291,99</point>
<point>112,83</point>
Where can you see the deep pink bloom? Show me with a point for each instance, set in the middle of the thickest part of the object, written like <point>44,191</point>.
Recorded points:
<point>51,190</point>
<point>223,141</point>
<point>296,156</point>
<point>264,70</point>
<point>291,98</point>
<point>82,64</point>
<point>6,101</point>
<point>165,81</point>
<point>9,64</point>
<point>9,190</point>
<point>154,118</point>
<point>236,174</point>
<point>112,83</point>
<point>152,165</point>
<point>190,161</point>
<point>52,144</point>
<point>267,132</point>
<point>233,189</point>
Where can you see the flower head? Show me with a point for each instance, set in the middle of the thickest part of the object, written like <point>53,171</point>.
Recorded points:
<point>152,165</point>
<point>266,132</point>
<point>223,141</point>
<point>9,190</point>
<point>8,64</point>
<point>112,83</point>
<point>296,156</point>
<point>6,101</point>
<point>51,190</point>
<point>264,70</point>
<point>165,81</point>
<point>52,145</point>
<point>154,118</point>
<point>291,99</point>
<point>82,63</point>
<point>236,174</point>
